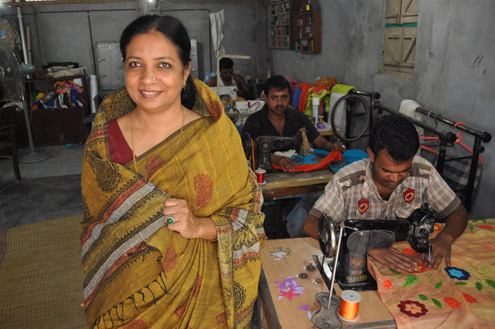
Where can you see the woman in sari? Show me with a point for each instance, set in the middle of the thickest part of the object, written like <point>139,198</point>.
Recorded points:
<point>172,222</point>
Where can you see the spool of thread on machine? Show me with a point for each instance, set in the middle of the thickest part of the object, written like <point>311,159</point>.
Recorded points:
<point>349,306</point>
<point>260,176</point>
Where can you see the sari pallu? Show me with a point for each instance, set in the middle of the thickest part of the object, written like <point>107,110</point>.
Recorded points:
<point>139,273</point>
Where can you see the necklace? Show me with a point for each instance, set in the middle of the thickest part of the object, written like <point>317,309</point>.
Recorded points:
<point>132,136</point>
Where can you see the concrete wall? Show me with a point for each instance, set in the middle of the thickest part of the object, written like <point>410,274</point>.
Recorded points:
<point>331,61</point>
<point>65,32</point>
<point>454,71</point>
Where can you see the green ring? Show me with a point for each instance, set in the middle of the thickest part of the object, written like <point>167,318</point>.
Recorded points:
<point>170,220</point>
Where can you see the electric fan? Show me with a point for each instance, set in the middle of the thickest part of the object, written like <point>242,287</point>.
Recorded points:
<point>12,75</point>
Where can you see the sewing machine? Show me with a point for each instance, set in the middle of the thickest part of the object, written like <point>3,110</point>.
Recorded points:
<point>230,91</point>
<point>360,235</point>
<point>264,145</point>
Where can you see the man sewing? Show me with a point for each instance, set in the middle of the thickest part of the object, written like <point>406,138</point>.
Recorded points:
<point>229,78</point>
<point>391,184</point>
<point>276,118</point>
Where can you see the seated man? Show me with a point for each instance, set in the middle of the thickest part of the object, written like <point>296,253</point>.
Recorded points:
<point>391,184</point>
<point>229,78</point>
<point>277,118</point>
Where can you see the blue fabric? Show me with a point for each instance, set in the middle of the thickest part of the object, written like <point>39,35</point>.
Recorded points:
<point>349,157</point>
<point>309,158</point>
<point>295,97</point>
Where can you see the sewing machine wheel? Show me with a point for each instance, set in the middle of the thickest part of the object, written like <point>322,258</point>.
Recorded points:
<point>327,235</point>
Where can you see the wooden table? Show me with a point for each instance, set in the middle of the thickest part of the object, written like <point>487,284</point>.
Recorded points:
<point>284,258</point>
<point>282,184</point>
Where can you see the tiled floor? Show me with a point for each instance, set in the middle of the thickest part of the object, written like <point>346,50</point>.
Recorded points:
<point>49,189</point>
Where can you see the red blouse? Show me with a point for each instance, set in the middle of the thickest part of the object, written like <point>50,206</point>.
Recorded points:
<point>120,151</point>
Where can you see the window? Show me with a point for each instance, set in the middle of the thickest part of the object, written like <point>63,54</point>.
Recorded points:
<point>399,38</point>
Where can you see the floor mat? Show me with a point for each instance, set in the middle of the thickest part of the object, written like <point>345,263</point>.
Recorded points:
<point>41,275</point>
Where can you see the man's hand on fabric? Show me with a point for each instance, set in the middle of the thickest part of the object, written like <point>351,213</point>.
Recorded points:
<point>284,162</point>
<point>339,146</point>
<point>394,259</point>
<point>441,246</point>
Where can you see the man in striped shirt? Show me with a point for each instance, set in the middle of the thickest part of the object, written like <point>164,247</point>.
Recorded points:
<point>391,184</point>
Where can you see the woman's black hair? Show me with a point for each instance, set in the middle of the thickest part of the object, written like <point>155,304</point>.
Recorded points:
<point>278,83</point>
<point>395,134</point>
<point>175,31</point>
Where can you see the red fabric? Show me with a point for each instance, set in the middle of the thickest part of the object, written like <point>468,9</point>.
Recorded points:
<point>120,152</point>
<point>304,86</point>
<point>332,156</point>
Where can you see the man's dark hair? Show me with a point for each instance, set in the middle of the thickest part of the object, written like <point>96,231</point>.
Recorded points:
<point>278,83</point>
<point>226,63</point>
<point>395,134</point>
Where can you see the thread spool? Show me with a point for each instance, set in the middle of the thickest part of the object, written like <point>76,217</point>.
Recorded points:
<point>349,306</point>
<point>260,176</point>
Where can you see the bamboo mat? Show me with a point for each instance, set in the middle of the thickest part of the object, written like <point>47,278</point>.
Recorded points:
<point>41,276</point>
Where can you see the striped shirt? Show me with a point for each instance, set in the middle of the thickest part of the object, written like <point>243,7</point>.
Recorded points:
<point>352,194</point>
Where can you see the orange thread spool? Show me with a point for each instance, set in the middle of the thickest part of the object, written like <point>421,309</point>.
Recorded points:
<point>260,176</point>
<point>349,306</point>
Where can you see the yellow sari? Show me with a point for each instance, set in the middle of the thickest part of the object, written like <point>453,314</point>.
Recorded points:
<point>139,274</point>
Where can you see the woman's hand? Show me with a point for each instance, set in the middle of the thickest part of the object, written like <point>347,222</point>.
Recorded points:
<point>185,223</point>
<point>394,259</point>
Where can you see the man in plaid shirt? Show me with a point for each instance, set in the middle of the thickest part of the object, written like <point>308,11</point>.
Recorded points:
<point>391,184</point>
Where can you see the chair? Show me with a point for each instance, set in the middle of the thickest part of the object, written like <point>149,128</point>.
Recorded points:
<point>8,138</point>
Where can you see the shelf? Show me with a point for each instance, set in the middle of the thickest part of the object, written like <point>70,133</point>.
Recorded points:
<point>55,125</point>
<point>299,28</point>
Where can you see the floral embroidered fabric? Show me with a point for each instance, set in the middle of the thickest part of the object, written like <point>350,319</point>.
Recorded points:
<point>460,296</point>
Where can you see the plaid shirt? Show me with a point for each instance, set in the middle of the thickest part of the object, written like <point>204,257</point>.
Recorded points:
<point>352,194</point>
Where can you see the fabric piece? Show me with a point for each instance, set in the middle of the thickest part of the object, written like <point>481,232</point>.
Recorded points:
<point>342,89</point>
<point>349,157</point>
<point>216,22</point>
<point>296,95</point>
<point>353,186</point>
<point>408,107</point>
<point>304,86</point>
<point>338,91</point>
<point>460,296</point>
<point>313,162</point>
<point>321,92</point>
<point>139,273</point>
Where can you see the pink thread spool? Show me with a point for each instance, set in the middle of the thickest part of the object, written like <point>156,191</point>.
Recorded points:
<point>260,176</point>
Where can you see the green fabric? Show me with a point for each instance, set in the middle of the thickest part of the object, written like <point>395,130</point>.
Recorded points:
<point>342,89</point>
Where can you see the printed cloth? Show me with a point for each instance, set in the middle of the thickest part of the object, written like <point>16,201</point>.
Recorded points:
<point>318,159</point>
<point>460,296</point>
<point>139,274</point>
<point>352,194</point>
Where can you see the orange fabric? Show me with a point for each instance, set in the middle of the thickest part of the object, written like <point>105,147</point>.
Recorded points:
<point>304,86</point>
<point>460,296</point>
<point>332,156</point>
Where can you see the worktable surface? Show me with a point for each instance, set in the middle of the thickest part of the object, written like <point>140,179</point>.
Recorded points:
<point>282,184</point>
<point>285,258</point>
